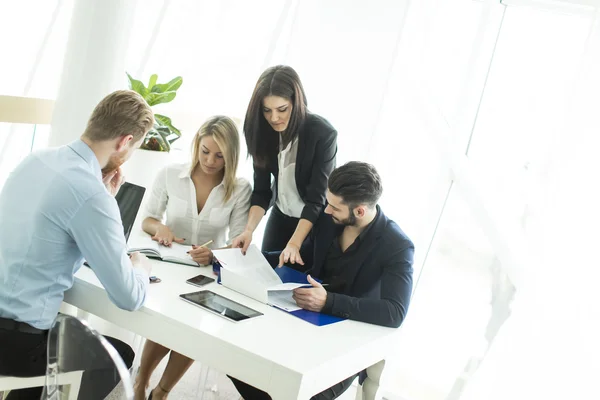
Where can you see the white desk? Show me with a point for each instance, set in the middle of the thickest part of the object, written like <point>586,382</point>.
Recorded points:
<point>276,352</point>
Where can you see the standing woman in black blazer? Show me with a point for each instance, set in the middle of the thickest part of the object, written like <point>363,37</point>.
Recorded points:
<point>298,149</point>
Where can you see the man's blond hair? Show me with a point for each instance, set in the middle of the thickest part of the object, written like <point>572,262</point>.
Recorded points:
<point>121,113</point>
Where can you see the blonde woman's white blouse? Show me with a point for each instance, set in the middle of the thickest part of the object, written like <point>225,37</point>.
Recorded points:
<point>174,193</point>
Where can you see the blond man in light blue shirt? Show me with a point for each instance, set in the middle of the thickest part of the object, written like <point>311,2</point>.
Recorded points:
<point>58,208</point>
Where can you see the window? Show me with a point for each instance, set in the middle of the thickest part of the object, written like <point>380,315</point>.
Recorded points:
<point>462,299</point>
<point>16,142</point>
<point>523,121</point>
<point>36,42</point>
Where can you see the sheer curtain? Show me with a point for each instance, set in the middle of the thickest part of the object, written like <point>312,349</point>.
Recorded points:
<point>549,349</point>
<point>34,38</point>
<point>482,120</point>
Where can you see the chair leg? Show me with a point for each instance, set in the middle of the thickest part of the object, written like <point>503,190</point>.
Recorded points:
<point>75,384</point>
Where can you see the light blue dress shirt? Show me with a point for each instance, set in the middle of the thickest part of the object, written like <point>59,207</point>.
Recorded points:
<point>54,212</point>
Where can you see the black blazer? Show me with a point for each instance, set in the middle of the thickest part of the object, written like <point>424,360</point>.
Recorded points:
<point>317,148</point>
<point>381,278</point>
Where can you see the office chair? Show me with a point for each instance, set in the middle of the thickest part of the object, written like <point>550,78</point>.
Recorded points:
<point>75,349</point>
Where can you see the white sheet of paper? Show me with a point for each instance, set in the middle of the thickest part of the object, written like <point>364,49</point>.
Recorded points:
<point>141,240</point>
<point>283,300</point>
<point>253,265</point>
<point>287,286</point>
<point>176,250</point>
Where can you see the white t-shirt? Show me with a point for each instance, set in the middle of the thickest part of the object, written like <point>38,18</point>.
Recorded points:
<point>288,199</point>
<point>175,193</point>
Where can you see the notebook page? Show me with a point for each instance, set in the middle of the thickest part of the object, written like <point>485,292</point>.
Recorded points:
<point>140,241</point>
<point>176,251</point>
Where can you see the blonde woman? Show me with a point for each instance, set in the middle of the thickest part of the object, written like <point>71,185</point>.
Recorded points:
<point>202,201</point>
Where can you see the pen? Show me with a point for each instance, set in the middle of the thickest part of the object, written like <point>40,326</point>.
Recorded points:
<point>204,245</point>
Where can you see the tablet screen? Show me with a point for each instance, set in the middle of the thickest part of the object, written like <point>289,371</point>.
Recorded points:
<point>220,305</point>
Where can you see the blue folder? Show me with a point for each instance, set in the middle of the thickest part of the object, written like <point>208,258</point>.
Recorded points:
<point>287,275</point>
<point>315,318</point>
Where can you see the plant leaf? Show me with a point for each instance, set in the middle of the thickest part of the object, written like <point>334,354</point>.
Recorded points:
<point>173,138</point>
<point>172,85</point>
<point>152,82</point>
<point>155,140</point>
<point>137,86</point>
<point>166,121</point>
<point>163,132</point>
<point>158,98</point>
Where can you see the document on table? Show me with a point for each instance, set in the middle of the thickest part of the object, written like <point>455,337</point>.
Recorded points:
<point>177,253</point>
<point>252,275</point>
<point>253,266</point>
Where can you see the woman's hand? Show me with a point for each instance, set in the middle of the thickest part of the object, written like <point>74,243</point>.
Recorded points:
<point>242,241</point>
<point>291,253</point>
<point>202,255</point>
<point>165,237</point>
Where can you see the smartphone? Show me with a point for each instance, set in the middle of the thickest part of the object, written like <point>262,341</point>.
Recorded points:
<point>200,280</point>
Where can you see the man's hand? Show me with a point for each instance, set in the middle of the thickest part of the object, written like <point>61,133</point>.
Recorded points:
<point>113,181</point>
<point>202,255</point>
<point>242,241</point>
<point>165,237</point>
<point>291,253</point>
<point>140,261</point>
<point>312,299</point>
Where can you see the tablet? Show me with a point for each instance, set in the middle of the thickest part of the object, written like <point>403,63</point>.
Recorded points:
<point>220,305</point>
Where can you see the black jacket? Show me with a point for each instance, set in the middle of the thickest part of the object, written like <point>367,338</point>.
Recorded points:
<point>381,277</point>
<point>317,148</point>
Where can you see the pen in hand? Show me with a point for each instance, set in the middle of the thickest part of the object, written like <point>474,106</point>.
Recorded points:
<point>202,245</point>
<point>201,254</point>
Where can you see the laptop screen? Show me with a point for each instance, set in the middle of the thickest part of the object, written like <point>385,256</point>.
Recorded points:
<point>129,198</point>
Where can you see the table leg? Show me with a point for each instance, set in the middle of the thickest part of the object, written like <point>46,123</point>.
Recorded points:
<point>138,347</point>
<point>371,385</point>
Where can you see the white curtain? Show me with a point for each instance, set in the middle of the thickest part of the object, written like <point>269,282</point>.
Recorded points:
<point>33,41</point>
<point>481,119</point>
<point>549,348</point>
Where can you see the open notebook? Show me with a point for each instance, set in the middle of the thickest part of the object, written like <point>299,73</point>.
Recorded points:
<point>177,253</point>
<point>253,276</point>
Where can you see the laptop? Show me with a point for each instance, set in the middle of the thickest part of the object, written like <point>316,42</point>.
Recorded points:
<point>129,198</point>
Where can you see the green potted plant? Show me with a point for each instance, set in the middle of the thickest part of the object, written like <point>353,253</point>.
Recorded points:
<point>163,134</point>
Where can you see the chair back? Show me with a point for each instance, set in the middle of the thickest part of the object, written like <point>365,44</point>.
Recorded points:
<point>75,348</point>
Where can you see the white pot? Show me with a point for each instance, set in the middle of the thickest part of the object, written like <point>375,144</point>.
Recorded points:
<point>142,168</point>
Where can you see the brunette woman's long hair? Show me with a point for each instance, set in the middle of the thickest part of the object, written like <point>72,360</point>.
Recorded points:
<point>261,138</point>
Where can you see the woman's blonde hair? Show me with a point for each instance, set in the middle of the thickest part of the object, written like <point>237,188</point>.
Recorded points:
<point>225,134</point>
